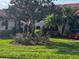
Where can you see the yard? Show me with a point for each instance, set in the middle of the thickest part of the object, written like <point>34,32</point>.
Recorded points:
<point>61,49</point>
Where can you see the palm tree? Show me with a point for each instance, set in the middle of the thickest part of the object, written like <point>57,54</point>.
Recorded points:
<point>69,19</point>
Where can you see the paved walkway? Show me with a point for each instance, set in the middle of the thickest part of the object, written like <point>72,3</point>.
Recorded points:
<point>5,58</point>
<point>75,41</point>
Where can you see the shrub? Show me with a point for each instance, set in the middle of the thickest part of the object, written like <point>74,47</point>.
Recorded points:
<point>28,39</point>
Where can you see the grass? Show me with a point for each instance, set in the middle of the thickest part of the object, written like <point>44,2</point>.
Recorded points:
<point>61,49</point>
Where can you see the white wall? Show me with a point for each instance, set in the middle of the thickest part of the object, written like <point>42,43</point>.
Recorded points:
<point>2,27</point>
<point>10,25</point>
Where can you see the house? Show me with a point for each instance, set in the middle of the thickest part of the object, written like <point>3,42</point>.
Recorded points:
<point>76,6</point>
<point>3,18</point>
<point>6,25</point>
<point>73,5</point>
<point>40,24</point>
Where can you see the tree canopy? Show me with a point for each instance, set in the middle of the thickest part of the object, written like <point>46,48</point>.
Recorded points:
<point>34,9</point>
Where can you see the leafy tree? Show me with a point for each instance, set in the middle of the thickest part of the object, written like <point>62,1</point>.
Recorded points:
<point>63,20</point>
<point>30,9</point>
<point>66,19</point>
<point>70,18</point>
<point>35,10</point>
<point>48,20</point>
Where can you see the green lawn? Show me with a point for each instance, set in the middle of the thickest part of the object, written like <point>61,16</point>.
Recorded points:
<point>61,49</point>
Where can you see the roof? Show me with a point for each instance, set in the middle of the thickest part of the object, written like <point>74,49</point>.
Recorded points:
<point>75,5</point>
<point>77,12</point>
<point>3,13</point>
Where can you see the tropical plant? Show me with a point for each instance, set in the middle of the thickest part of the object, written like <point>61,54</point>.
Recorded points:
<point>35,10</point>
<point>63,20</point>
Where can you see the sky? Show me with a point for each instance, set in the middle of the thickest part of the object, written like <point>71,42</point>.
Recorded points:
<point>65,1</point>
<point>4,3</point>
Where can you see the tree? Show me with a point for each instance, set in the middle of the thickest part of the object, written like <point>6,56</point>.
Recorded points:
<point>70,18</point>
<point>32,9</point>
<point>63,20</point>
<point>35,10</point>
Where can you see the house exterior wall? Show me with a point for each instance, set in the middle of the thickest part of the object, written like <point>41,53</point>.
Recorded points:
<point>1,26</point>
<point>40,24</point>
<point>11,24</point>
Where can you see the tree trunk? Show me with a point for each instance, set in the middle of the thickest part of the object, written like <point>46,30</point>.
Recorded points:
<point>64,27</point>
<point>33,28</point>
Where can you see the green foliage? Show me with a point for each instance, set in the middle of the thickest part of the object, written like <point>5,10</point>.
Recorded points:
<point>35,10</point>
<point>49,20</point>
<point>28,39</point>
<point>40,38</point>
<point>22,9</point>
<point>64,17</point>
<point>30,9</point>
<point>38,31</point>
<point>70,18</point>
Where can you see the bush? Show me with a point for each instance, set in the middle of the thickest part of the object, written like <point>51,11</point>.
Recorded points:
<point>23,38</point>
<point>28,39</point>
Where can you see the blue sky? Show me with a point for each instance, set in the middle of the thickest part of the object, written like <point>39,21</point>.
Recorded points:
<point>4,3</point>
<point>65,1</point>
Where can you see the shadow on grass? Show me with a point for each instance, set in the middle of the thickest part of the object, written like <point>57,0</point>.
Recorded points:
<point>71,48</point>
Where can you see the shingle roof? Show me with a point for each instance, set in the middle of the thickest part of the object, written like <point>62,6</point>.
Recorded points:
<point>3,13</point>
<point>75,5</point>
